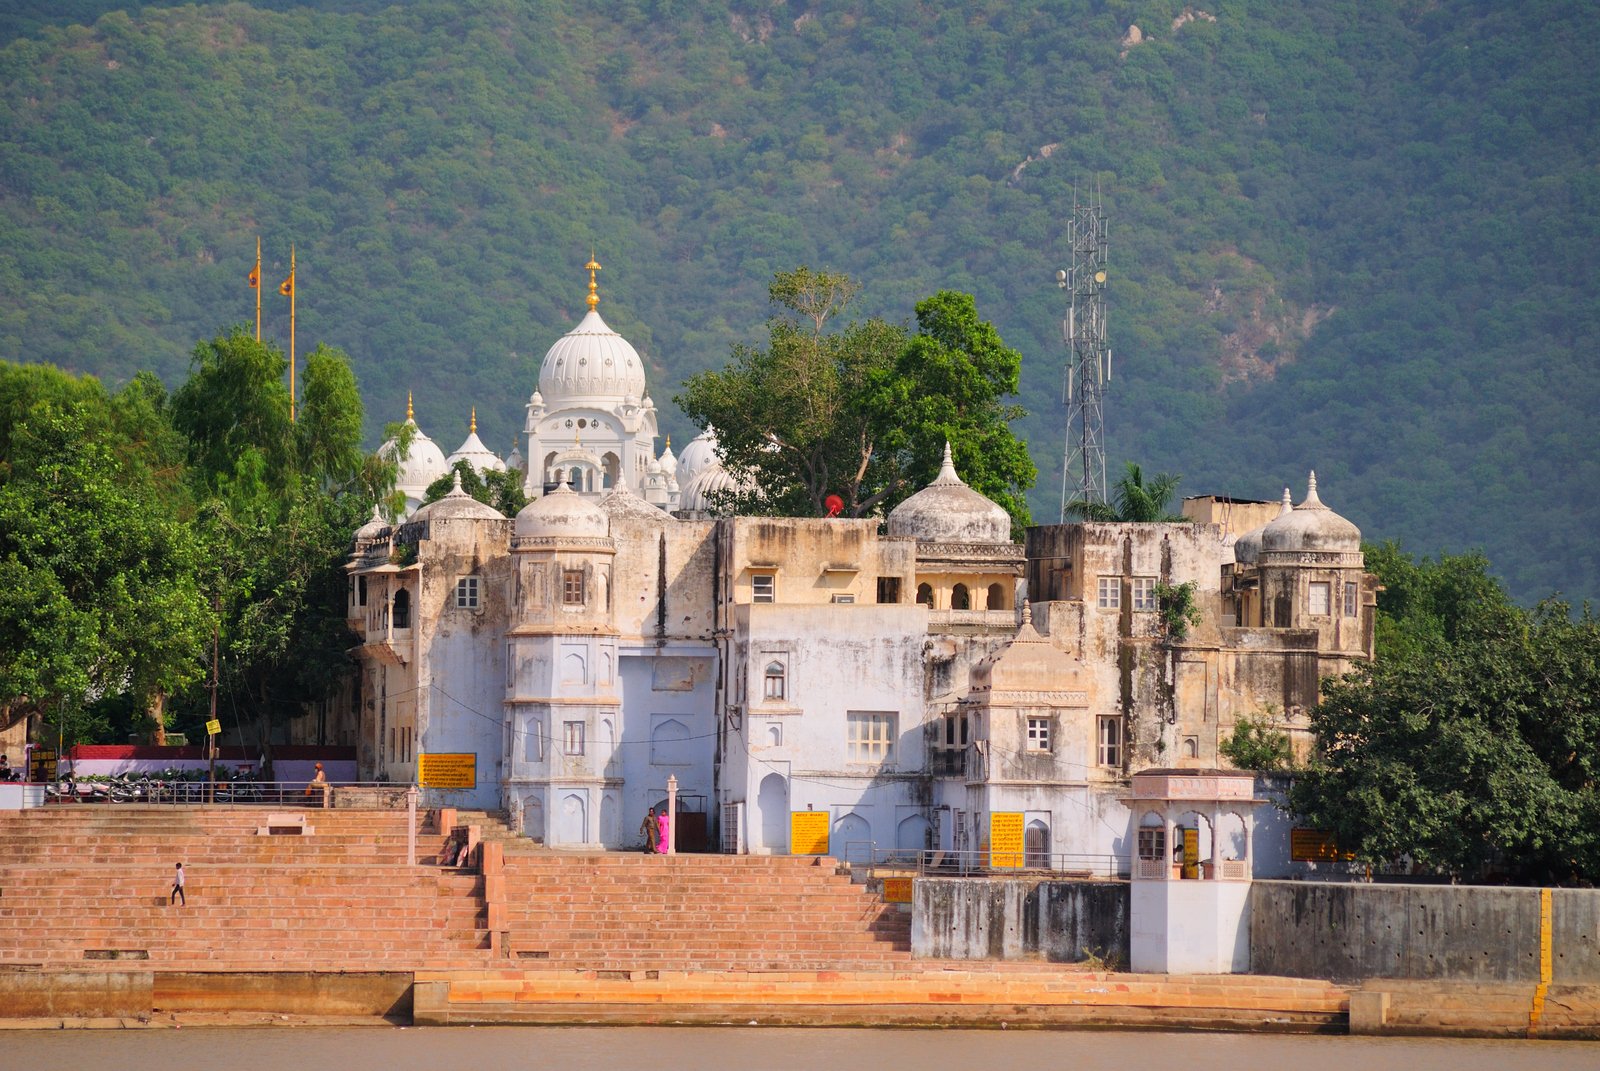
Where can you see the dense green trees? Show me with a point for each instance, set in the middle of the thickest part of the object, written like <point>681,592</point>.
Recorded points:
<point>1471,747</point>
<point>1354,235</point>
<point>862,412</point>
<point>1132,499</point>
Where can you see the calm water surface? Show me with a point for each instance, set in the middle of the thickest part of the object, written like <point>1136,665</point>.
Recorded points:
<point>734,1049</point>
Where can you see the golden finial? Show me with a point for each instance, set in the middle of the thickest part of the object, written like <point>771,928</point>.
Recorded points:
<point>409,414</point>
<point>669,442</point>
<point>594,291</point>
<point>474,429</point>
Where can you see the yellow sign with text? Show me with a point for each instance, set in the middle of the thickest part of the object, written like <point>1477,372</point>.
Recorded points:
<point>1005,839</point>
<point>808,832</point>
<point>448,771</point>
<point>897,890</point>
<point>213,727</point>
<point>1314,846</point>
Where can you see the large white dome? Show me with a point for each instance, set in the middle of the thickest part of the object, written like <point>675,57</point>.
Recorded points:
<point>591,362</point>
<point>948,511</point>
<point>562,513</point>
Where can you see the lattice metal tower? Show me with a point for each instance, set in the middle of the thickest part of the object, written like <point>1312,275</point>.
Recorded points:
<point>1083,471</point>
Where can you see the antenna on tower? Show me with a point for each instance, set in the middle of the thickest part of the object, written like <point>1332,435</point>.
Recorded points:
<point>1083,469</point>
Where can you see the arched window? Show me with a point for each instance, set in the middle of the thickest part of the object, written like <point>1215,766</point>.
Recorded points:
<point>924,595</point>
<point>997,597</point>
<point>402,609</point>
<point>775,681</point>
<point>959,598</point>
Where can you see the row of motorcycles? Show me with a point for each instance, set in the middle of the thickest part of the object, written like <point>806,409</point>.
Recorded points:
<point>170,786</point>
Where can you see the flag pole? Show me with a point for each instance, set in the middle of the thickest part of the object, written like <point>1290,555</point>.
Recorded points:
<point>255,284</point>
<point>287,290</point>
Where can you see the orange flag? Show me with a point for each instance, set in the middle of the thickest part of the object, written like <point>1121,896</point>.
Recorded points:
<point>287,289</point>
<point>255,277</point>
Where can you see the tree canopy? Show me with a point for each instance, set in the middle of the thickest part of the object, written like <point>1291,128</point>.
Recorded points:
<point>862,412</point>
<point>1133,500</point>
<point>1471,746</point>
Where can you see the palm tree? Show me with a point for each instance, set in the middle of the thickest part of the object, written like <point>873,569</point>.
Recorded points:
<point>1133,499</point>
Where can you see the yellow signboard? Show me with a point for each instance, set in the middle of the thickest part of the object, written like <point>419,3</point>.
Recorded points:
<point>1005,839</point>
<point>897,890</point>
<point>1191,852</point>
<point>808,832</point>
<point>1314,846</point>
<point>448,771</point>
<point>42,764</point>
<point>213,727</point>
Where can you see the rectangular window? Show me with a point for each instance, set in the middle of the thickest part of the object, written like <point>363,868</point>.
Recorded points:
<point>1110,593</point>
<point>1153,844</point>
<point>1318,603</point>
<point>467,593</point>
<point>1110,735</point>
<point>361,590</point>
<point>572,737</point>
<point>572,587</point>
<point>775,679</point>
<point>1144,594</point>
<point>1038,734</point>
<point>762,586</point>
<point>1352,597</point>
<point>871,738</point>
<point>889,590</point>
<point>844,598</point>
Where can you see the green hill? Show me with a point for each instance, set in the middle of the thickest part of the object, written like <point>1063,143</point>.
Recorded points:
<point>1355,236</point>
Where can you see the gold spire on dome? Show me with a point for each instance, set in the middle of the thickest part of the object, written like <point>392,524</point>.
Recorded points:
<point>594,291</point>
<point>473,430</point>
<point>409,414</point>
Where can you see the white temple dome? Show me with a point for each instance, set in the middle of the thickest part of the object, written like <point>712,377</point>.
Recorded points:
<point>701,453</point>
<point>472,451</point>
<point>948,511</point>
<point>376,528</point>
<point>697,492</point>
<point>591,361</point>
<point>424,461</point>
<point>562,512</point>
<point>1311,527</point>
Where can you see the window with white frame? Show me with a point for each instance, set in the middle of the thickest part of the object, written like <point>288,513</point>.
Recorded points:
<point>775,681</point>
<point>1144,593</point>
<point>1352,598</point>
<point>467,593</point>
<point>763,587</point>
<point>572,737</point>
<point>1038,734</point>
<point>870,737</point>
<point>1109,596</point>
<point>1110,737</point>
<point>1317,605</point>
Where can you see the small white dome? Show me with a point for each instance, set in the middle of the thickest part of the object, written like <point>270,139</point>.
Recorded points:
<point>562,512</point>
<point>1311,527</point>
<point>457,504</point>
<point>424,462</point>
<point>479,456</point>
<point>697,492</point>
<point>376,528</point>
<point>668,463</point>
<point>515,462</point>
<point>623,503</point>
<point>948,511</point>
<point>701,453</point>
<point>1247,548</point>
<point>591,362</point>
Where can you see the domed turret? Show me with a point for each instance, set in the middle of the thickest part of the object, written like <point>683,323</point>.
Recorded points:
<point>457,504</point>
<point>668,463</point>
<point>591,361</point>
<point>515,462</point>
<point>1247,548</point>
<point>697,492</point>
<point>424,461</point>
<point>472,451</point>
<point>376,528</point>
<point>623,503</point>
<point>948,511</point>
<point>699,454</point>
<point>562,512</point>
<point>1311,527</point>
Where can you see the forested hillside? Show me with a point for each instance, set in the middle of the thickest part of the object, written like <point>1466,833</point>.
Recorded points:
<point>1355,235</point>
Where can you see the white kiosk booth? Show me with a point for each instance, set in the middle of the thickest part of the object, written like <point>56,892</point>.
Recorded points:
<point>1191,871</point>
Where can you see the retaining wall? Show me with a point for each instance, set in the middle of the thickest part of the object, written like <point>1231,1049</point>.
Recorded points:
<point>1459,933</point>
<point>1015,918</point>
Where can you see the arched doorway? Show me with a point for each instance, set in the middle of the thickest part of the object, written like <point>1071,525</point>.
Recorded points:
<point>772,800</point>
<point>1036,845</point>
<point>573,819</point>
<point>851,840</point>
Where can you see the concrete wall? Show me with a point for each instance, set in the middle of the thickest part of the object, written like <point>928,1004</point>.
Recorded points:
<point>1060,921</point>
<point>1453,933</point>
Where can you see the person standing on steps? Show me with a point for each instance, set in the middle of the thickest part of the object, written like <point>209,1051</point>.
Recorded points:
<point>651,832</point>
<point>662,831</point>
<point>177,889</point>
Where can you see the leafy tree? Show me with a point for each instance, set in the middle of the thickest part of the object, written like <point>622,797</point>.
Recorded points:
<point>234,411</point>
<point>1178,609</point>
<point>1471,748</point>
<point>502,490</point>
<point>1133,500</point>
<point>1255,745</point>
<point>862,412</point>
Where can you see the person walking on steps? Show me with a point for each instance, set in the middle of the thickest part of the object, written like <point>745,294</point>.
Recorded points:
<point>651,832</point>
<point>177,889</point>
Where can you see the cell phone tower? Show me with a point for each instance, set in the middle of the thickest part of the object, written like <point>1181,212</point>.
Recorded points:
<point>1083,470</point>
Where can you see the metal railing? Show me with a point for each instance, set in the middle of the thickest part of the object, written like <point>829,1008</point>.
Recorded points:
<point>932,862</point>
<point>158,791</point>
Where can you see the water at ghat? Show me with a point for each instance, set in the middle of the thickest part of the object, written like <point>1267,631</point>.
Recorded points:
<point>772,1049</point>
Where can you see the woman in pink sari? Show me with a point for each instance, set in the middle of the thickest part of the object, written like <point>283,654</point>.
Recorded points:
<point>663,827</point>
